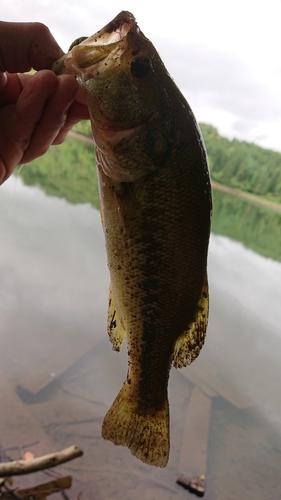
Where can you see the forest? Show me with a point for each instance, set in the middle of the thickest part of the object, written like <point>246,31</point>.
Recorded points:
<point>68,171</point>
<point>243,165</point>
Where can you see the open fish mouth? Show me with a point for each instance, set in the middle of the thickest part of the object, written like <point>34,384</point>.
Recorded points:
<point>93,56</point>
<point>99,52</point>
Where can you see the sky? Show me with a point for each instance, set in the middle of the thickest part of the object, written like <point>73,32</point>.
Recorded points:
<point>223,55</point>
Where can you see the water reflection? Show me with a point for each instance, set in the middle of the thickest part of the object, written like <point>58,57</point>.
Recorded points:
<point>245,321</point>
<point>59,375</point>
<point>254,225</point>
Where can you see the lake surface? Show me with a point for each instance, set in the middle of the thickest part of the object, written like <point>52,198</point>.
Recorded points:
<point>59,375</point>
<point>250,222</point>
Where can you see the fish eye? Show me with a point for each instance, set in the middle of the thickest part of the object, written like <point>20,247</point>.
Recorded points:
<point>140,67</point>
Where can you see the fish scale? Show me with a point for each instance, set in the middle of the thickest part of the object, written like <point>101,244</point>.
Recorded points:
<point>155,200</point>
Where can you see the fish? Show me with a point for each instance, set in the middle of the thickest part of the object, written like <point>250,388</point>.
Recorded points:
<point>155,202</point>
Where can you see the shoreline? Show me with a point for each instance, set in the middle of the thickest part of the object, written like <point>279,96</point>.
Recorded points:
<point>215,185</point>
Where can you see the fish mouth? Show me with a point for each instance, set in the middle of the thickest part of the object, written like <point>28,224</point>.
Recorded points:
<point>94,55</point>
<point>101,51</point>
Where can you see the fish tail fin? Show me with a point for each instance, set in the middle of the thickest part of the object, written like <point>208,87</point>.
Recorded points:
<point>144,433</point>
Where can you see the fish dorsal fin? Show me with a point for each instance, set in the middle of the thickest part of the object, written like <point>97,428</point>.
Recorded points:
<point>115,328</point>
<point>190,343</point>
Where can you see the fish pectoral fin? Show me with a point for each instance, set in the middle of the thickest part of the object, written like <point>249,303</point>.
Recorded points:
<point>115,328</point>
<point>145,433</point>
<point>190,343</point>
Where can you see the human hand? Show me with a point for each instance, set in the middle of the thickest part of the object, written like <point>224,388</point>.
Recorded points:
<point>37,110</point>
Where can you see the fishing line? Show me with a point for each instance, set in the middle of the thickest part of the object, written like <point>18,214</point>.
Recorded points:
<point>13,194</point>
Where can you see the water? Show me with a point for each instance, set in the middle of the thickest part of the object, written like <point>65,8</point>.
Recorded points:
<point>59,375</point>
<point>257,226</point>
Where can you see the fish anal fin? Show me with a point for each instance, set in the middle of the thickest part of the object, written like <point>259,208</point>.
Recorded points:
<point>146,434</point>
<point>115,328</point>
<point>190,343</point>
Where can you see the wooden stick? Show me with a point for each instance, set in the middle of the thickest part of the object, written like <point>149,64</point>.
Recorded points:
<point>19,467</point>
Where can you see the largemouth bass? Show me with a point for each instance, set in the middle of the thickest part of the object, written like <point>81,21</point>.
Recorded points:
<point>155,200</point>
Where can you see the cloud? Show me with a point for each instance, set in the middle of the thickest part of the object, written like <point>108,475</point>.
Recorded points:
<point>220,80</point>
<point>226,92</point>
<point>237,85</point>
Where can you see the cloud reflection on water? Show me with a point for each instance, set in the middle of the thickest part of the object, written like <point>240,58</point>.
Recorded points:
<point>53,268</point>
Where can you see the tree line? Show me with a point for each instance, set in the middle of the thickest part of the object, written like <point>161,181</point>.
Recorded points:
<point>69,170</point>
<point>243,165</point>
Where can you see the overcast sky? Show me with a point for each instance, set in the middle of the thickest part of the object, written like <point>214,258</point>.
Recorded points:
<point>224,55</point>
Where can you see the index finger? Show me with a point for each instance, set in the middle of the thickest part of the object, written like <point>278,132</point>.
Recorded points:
<point>25,46</point>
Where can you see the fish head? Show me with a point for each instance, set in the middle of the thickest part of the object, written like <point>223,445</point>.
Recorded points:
<point>121,78</point>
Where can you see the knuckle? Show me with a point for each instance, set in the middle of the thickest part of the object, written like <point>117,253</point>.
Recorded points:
<point>41,30</point>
